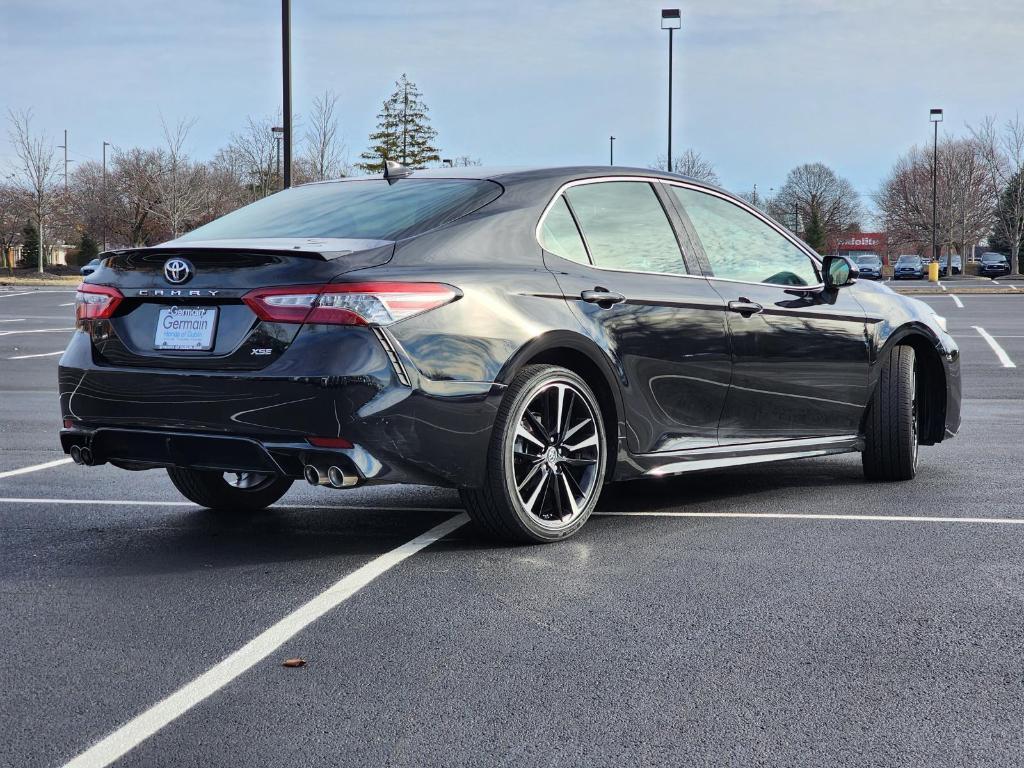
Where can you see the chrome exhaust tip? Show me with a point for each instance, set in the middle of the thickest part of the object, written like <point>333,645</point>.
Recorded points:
<point>312,474</point>
<point>339,479</point>
<point>86,455</point>
<point>76,454</point>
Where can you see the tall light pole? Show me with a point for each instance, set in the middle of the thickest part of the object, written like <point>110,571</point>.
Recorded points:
<point>670,20</point>
<point>286,72</point>
<point>64,146</point>
<point>106,200</point>
<point>936,117</point>
<point>611,150</point>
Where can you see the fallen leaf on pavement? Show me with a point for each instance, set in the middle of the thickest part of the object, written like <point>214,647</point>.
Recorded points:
<point>294,663</point>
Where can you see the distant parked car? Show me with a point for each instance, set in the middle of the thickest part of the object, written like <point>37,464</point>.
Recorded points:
<point>89,268</point>
<point>957,264</point>
<point>870,266</point>
<point>909,267</point>
<point>993,265</point>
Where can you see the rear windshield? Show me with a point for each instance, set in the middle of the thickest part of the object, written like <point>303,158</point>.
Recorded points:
<point>372,209</point>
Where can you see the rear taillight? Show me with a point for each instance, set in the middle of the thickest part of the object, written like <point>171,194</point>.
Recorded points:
<point>348,303</point>
<point>96,302</point>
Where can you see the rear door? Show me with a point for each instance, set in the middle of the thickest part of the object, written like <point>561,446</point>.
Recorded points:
<point>800,353</point>
<point>619,264</point>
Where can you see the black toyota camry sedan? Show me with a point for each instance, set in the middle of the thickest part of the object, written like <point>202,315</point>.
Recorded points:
<point>523,336</point>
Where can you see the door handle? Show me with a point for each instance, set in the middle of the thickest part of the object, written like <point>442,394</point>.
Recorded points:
<point>745,307</point>
<point>602,297</point>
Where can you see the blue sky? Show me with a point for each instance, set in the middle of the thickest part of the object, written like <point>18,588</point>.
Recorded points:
<point>761,85</point>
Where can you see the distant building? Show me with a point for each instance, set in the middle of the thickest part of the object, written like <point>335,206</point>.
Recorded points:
<point>862,242</point>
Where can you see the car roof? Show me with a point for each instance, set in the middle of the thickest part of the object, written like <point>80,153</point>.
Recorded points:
<point>514,174</point>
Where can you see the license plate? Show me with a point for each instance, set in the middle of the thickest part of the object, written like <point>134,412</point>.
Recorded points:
<point>186,328</point>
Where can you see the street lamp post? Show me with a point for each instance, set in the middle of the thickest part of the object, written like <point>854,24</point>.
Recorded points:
<point>286,76</point>
<point>935,116</point>
<point>611,150</point>
<point>670,20</point>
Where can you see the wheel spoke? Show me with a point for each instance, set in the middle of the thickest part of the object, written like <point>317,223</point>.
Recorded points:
<point>590,441</point>
<point>533,471</point>
<point>538,426</point>
<point>524,433</point>
<point>568,484</point>
<point>578,462</point>
<point>536,491</point>
<point>558,499</point>
<point>576,429</point>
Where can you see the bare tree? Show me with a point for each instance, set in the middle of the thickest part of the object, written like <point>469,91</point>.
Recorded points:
<point>13,214</point>
<point>254,152</point>
<point>691,163</point>
<point>325,155</point>
<point>964,199</point>
<point>133,197</point>
<point>177,183</point>
<point>37,171</point>
<point>815,190</point>
<point>1003,154</point>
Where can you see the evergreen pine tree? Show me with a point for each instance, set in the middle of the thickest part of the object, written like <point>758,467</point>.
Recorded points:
<point>999,241</point>
<point>87,250</point>
<point>403,131</point>
<point>814,234</point>
<point>29,246</point>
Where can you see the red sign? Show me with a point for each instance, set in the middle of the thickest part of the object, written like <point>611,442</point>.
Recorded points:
<point>869,242</point>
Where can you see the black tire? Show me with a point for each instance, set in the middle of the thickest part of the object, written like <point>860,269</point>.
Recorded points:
<point>213,491</point>
<point>891,432</point>
<point>552,513</point>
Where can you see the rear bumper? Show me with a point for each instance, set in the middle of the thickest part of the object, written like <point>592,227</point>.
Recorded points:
<point>403,428</point>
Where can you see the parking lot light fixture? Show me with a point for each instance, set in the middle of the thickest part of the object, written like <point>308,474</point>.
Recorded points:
<point>935,116</point>
<point>671,20</point>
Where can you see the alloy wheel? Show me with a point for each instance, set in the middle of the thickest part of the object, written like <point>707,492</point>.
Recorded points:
<point>557,455</point>
<point>248,481</point>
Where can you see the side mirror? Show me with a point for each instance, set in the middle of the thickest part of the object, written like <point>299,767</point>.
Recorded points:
<point>839,271</point>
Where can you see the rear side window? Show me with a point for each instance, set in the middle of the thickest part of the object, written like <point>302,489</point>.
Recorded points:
<point>559,235</point>
<point>626,227</point>
<point>740,246</point>
<point>372,209</point>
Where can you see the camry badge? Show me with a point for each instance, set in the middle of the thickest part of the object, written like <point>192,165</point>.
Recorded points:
<point>178,271</point>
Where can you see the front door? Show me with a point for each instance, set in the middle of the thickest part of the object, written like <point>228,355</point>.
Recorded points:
<point>664,326</point>
<point>800,353</point>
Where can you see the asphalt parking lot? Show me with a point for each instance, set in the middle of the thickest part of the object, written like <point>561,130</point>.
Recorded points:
<point>788,614</point>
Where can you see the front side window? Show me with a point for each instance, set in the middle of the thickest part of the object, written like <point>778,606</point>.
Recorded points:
<point>626,227</point>
<point>559,235</point>
<point>740,246</point>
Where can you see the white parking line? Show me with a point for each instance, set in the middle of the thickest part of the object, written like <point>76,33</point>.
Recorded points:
<point>33,468</point>
<point>41,354</point>
<point>812,516</point>
<point>9,295</point>
<point>17,320</point>
<point>956,300</point>
<point>1000,352</point>
<point>38,330</point>
<point>69,304</point>
<point>137,730</point>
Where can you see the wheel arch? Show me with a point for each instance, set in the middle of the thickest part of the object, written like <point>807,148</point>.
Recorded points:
<point>933,404</point>
<point>582,356</point>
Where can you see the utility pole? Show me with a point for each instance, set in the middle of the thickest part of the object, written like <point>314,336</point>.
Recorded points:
<point>286,71</point>
<point>935,116</point>
<point>611,150</point>
<point>64,146</point>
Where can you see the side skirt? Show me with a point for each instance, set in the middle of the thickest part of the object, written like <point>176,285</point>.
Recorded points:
<point>718,457</point>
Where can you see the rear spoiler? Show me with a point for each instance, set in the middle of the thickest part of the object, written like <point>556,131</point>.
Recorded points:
<point>326,248</point>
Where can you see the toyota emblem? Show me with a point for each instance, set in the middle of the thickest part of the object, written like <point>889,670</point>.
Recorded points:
<point>178,271</point>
